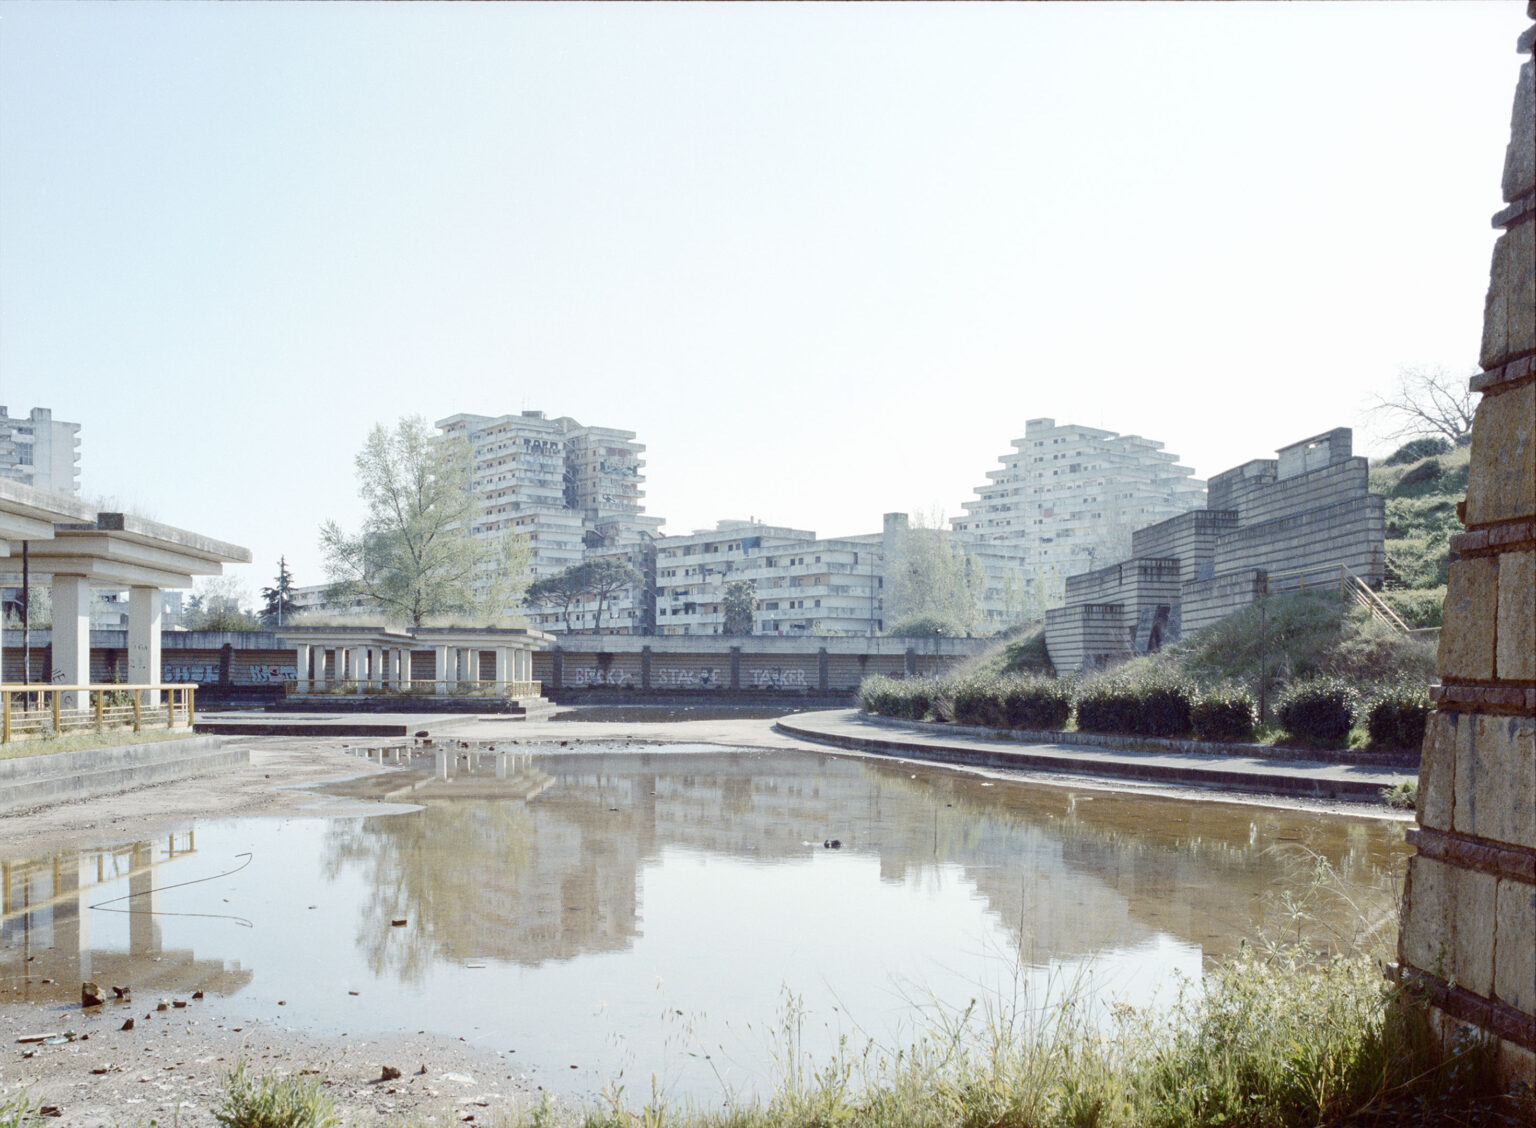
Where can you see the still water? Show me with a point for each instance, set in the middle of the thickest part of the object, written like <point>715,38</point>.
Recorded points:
<point>659,913</point>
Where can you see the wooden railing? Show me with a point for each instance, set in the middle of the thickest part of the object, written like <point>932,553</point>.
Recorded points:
<point>419,687</point>
<point>35,710</point>
<point>1350,587</point>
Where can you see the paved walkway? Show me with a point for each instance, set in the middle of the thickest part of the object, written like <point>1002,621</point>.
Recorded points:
<point>847,728</point>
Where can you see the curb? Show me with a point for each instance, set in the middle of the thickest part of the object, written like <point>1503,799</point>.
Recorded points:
<point>1228,778</point>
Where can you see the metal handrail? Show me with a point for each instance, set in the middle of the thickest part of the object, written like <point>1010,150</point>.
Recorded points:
<point>54,709</point>
<point>1350,586</point>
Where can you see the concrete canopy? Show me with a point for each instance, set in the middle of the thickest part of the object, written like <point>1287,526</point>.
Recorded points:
<point>117,549</point>
<point>30,515</point>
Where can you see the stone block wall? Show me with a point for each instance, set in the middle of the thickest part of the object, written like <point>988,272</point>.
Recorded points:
<point>1350,532</point>
<point>1211,600</point>
<point>1088,635</point>
<point>1190,538</point>
<point>1469,903</point>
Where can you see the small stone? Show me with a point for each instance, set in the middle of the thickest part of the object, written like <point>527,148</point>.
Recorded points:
<point>398,923</point>
<point>91,995</point>
<point>161,1007</point>
<point>179,1004</point>
<point>282,1002</point>
<point>389,1073</point>
<point>127,1025</point>
<point>197,994</point>
<point>123,992</point>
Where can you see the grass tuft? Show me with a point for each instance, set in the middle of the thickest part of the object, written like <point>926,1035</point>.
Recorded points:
<point>273,1102</point>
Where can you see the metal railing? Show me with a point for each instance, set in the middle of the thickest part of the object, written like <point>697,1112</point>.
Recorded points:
<point>416,687</point>
<point>1350,586</point>
<point>33,711</point>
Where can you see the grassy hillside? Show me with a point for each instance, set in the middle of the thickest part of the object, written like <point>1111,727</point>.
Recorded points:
<point>1421,518</point>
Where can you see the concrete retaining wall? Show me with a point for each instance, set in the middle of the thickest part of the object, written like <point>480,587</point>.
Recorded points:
<point>58,777</point>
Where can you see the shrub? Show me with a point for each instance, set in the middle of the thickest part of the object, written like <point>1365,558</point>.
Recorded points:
<point>1412,451</point>
<point>1320,711</point>
<point>1108,705</point>
<point>1163,708</point>
<point>976,701</point>
<point>273,1102</point>
<point>1224,713</point>
<point>1417,608</point>
<point>928,626</point>
<point>1397,717</point>
<point>910,698</point>
<point>1037,703</point>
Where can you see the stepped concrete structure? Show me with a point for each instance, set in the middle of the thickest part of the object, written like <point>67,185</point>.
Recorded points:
<point>1469,904</point>
<point>1305,518</point>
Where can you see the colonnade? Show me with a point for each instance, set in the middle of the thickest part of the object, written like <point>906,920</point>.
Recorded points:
<point>379,667</point>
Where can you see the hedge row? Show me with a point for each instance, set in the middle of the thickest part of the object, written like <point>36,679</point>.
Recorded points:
<point>1316,712</point>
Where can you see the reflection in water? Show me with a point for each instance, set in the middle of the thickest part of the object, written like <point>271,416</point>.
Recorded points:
<point>633,911</point>
<point>48,906</point>
<point>1065,874</point>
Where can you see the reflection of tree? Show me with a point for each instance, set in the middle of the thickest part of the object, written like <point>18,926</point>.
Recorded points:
<point>441,869</point>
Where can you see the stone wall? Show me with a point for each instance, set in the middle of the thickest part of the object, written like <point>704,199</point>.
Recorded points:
<point>1190,538</point>
<point>1469,903</point>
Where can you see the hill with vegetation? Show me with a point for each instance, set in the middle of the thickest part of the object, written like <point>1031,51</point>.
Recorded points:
<point>1422,481</point>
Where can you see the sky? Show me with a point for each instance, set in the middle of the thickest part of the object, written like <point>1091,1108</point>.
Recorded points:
<point>825,260</point>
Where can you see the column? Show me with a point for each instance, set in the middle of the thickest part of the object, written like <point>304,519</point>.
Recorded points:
<point>399,668</point>
<point>301,667</point>
<point>71,635</point>
<point>144,606</point>
<point>319,682</point>
<point>645,667</point>
<point>375,667</point>
<point>143,903</point>
<point>504,671</point>
<point>440,667</point>
<point>735,667</point>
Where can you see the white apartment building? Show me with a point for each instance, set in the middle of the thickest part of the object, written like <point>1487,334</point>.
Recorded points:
<point>572,491</point>
<point>805,584</point>
<point>40,451</point>
<point>1067,498</point>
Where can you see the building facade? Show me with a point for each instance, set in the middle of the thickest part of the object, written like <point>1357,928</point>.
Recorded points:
<point>573,493</point>
<point>1067,498</point>
<point>805,585</point>
<point>40,451</point>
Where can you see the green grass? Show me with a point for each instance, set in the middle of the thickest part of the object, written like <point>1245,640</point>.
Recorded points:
<point>85,741</point>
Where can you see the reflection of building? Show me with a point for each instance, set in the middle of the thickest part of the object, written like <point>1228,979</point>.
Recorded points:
<point>46,950</point>
<point>560,875</point>
<point>40,451</point>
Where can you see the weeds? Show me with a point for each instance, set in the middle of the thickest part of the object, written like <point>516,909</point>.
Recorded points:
<point>273,1102</point>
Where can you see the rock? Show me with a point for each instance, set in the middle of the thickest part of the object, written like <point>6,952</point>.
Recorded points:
<point>423,733</point>
<point>123,992</point>
<point>389,1073</point>
<point>50,1110</point>
<point>398,923</point>
<point>91,995</point>
<point>127,1025</point>
<point>833,844</point>
<point>197,994</point>
<point>282,1002</point>
<point>422,1072</point>
<point>161,1007</point>
<point>179,1004</point>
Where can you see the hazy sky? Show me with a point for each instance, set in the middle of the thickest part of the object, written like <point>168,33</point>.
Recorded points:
<point>824,259</point>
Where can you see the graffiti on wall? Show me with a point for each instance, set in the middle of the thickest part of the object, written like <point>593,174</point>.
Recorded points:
<point>686,679</point>
<point>777,677</point>
<point>264,675</point>
<point>203,674</point>
<point>584,676</point>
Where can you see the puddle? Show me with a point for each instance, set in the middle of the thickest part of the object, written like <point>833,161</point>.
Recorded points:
<point>630,912</point>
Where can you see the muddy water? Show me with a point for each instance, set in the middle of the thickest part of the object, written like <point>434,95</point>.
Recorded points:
<point>660,913</point>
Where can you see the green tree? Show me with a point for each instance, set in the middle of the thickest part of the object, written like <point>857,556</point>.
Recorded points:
<point>608,578</point>
<point>926,576</point>
<point>601,580</point>
<point>560,592</point>
<point>278,597</point>
<point>215,606</point>
<point>740,604</point>
<point>415,556</point>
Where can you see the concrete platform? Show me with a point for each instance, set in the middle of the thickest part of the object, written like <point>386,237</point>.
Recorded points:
<point>848,728</point>
<point>327,724</point>
<point>57,777</point>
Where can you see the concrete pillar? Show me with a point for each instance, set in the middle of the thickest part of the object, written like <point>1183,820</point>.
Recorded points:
<point>143,904</point>
<point>821,669</point>
<point>301,667</point>
<point>735,668</point>
<point>144,606</point>
<point>645,667</point>
<point>440,667</point>
<point>911,662</point>
<point>356,670</point>
<point>557,669</point>
<point>505,661</point>
<point>376,667</point>
<point>72,635</point>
